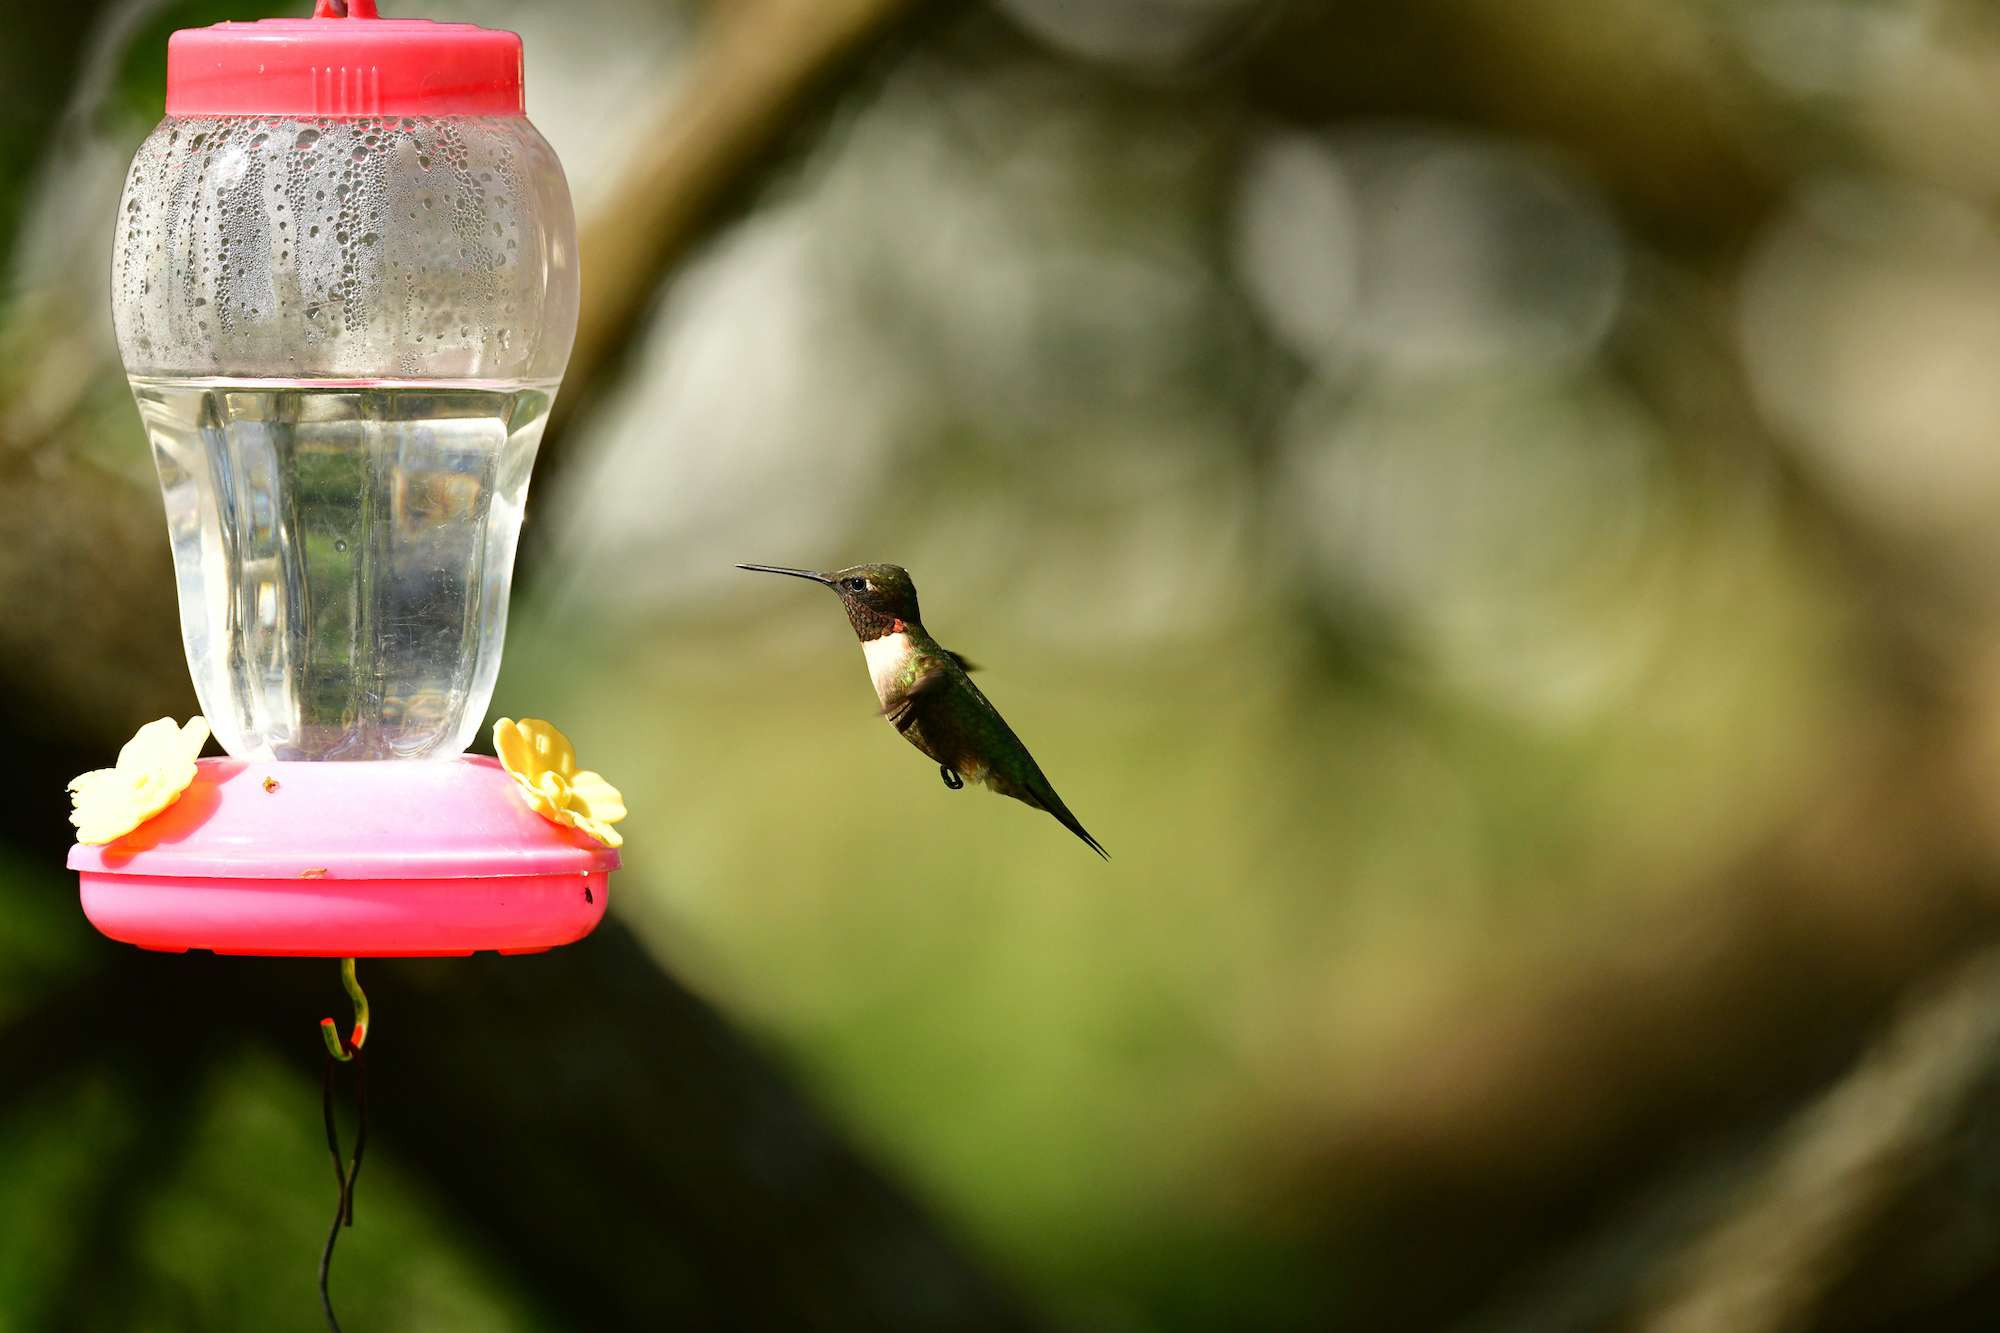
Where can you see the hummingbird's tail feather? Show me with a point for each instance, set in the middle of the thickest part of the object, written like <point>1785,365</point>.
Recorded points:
<point>1045,796</point>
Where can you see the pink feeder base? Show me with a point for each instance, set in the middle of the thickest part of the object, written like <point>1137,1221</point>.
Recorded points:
<point>333,860</point>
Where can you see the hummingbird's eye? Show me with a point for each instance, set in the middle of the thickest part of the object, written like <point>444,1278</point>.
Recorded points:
<point>858,584</point>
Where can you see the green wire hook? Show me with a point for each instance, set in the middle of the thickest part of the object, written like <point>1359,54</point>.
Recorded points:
<point>337,1047</point>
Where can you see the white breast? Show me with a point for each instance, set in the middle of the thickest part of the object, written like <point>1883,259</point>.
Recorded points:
<point>886,658</point>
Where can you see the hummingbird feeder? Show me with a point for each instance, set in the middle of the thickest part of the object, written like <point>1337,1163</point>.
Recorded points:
<point>345,289</point>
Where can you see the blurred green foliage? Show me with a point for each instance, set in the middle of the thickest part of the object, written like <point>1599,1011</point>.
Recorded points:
<point>1483,508</point>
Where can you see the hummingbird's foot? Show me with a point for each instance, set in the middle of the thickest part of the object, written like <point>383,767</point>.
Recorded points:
<point>951,779</point>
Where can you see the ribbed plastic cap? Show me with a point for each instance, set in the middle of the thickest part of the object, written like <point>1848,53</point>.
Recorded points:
<point>344,61</point>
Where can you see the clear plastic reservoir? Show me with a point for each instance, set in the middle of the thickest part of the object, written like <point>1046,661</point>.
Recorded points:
<point>343,554</point>
<point>344,335</point>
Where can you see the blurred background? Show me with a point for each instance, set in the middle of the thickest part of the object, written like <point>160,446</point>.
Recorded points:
<point>1486,507</point>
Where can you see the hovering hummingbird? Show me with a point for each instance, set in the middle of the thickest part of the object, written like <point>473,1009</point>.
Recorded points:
<point>927,695</point>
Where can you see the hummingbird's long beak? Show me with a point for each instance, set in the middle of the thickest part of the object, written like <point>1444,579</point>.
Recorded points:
<point>780,569</point>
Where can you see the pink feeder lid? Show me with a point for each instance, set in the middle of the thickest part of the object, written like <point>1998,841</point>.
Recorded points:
<point>344,61</point>
<point>347,860</point>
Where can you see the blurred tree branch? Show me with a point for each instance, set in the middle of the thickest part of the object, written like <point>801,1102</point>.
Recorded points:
<point>1552,1101</point>
<point>756,62</point>
<point>1899,1138</point>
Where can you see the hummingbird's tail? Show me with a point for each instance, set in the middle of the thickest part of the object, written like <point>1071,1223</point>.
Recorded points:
<point>1045,796</point>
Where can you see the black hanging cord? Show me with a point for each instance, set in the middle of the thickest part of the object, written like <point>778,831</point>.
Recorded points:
<point>344,1175</point>
<point>343,1050</point>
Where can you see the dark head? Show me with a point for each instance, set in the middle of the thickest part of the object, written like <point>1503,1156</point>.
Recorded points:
<point>877,597</point>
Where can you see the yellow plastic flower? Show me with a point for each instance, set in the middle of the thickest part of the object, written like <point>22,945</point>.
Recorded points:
<point>154,768</point>
<point>542,763</point>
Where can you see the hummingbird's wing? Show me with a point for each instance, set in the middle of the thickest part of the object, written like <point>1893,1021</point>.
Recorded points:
<point>963,665</point>
<point>905,708</point>
<point>950,719</point>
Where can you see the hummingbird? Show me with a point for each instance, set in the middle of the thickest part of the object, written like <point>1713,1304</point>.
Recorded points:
<point>927,695</point>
